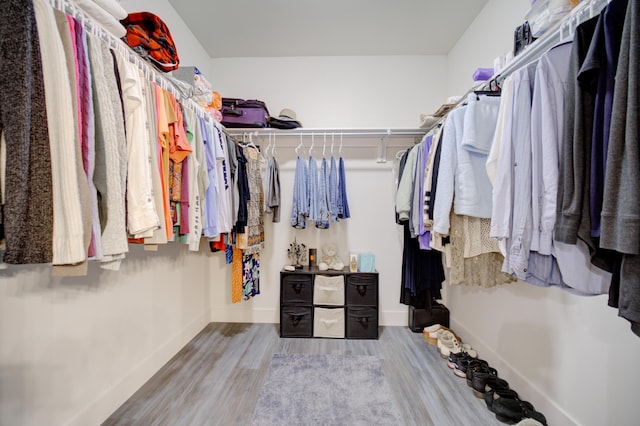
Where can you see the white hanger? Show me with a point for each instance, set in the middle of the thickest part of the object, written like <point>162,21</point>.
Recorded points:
<point>273,148</point>
<point>333,139</point>
<point>300,145</point>
<point>266,150</point>
<point>324,145</point>
<point>312,143</point>
<point>340,144</point>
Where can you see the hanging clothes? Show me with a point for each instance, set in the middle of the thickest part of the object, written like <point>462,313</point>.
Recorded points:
<point>27,219</point>
<point>142,218</point>
<point>111,159</point>
<point>574,220</point>
<point>272,189</point>
<point>255,217</point>
<point>210,208</point>
<point>324,182</point>
<point>422,271</point>
<point>300,209</point>
<point>620,212</point>
<point>155,159</point>
<point>251,276</point>
<point>72,222</point>
<point>68,34</point>
<point>313,190</point>
<point>475,261</point>
<point>333,191</point>
<point>87,132</point>
<point>598,75</point>
<point>223,182</point>
<point>343,202</point>
<point>162,121</point>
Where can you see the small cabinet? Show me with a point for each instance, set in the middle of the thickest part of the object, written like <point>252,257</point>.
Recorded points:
<point>328,304</point>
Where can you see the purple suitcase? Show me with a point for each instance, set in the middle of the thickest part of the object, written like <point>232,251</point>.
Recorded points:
<point>240,113</point>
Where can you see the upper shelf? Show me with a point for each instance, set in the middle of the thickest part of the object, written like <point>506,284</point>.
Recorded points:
<point>336,132</point>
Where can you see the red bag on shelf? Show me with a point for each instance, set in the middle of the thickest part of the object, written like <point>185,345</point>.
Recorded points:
<point>149,36</point>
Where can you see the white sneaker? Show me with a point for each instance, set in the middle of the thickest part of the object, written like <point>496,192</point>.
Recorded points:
<point>430,333</point>
<point>445,340</point>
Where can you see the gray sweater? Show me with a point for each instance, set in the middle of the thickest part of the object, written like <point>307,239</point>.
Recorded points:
<point>28,207</point>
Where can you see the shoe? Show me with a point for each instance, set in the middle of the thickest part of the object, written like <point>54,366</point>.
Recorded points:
<point>450,346</point>
<point>456,358</point>
<point>485,380</point>
<point>468,349</point>
<point>513,410</point>
<point>483,375</point>
<point>465,363</point>
<point>479,369</point>
<point>490,395</point>
<point>429,333</point>
<point>445,337</point>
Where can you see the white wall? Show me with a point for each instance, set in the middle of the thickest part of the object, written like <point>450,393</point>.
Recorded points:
<point>72,350</point>
<point>382,92</point>
<point>489,35</point>
<point>363,91</point>
<point>569,355</point>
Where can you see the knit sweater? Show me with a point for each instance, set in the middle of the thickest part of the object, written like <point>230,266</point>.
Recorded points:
<point>28,208</point>
<point>68,233</point>
<point>110,153</point>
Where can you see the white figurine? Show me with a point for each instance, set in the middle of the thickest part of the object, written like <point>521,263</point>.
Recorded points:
<point>330,259</point>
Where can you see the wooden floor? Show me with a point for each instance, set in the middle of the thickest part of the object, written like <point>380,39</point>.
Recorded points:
<point>216,378</point>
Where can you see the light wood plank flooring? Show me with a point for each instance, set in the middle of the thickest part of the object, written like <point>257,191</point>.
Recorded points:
<point>216,378</point>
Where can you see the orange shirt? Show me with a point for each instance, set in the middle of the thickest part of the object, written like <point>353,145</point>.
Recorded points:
<point>164,136</point>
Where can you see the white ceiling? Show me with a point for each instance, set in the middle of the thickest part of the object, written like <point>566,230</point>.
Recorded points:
<point>262,28</point>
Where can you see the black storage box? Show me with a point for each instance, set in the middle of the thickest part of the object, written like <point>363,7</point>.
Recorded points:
<point>297,290</point>
<point>362,322</point>
<point>362,289</point>
<point>421,318</point>
<point>296,321</point>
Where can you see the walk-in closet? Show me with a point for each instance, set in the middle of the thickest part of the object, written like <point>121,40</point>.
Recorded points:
<point>436,223</point>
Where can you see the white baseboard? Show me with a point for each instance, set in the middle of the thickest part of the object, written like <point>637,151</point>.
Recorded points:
<point>248,315</point>
<point>554,414</point>
<point>394,318</point>
<point>106,403</point>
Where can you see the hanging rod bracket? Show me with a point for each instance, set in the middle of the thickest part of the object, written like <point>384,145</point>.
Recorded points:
<point>382,147</point>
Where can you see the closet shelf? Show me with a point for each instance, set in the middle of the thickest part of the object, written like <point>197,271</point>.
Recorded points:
<point>336,135</point>
<point>150,73</point>
<point>337,132</point>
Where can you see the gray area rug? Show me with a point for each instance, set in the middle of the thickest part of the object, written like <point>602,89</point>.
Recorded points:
<point>303,389</point>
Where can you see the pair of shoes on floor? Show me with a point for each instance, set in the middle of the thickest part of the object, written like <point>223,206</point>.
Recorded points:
<point>478,375</point>
<point>448,343</point>
<point>509,409</point>
<point>430,333</point>
<point>462,362</point>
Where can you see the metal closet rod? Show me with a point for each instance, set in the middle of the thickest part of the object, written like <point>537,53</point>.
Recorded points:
<point>150,73</point>
<point>562,31</point>
<point>322,132</point>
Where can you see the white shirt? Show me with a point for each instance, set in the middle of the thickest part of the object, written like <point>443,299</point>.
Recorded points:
<point>142,217</point>
<point>68,229</point>
<point>447,169</point>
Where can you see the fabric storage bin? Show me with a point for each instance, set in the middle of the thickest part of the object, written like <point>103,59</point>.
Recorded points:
<point>296,321</point>
<point>362,289</point>
<point>328,322</point>
<point>296,289</point>
<point>421,318</point>
<point>362,322</point>
<point>328,290</point>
